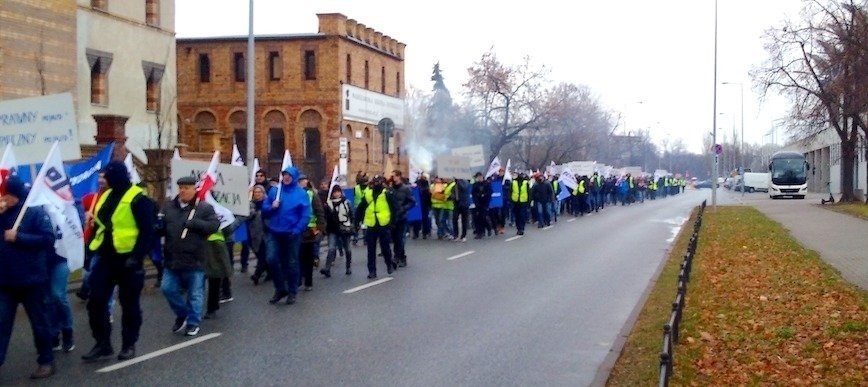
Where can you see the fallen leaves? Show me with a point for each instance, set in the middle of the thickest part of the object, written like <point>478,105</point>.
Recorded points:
<point>769,312</point>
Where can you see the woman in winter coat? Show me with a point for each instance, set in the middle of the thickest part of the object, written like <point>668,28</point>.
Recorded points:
<point>339,229</point>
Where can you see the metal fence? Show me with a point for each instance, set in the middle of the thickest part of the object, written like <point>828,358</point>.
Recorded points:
<point>670,329</point>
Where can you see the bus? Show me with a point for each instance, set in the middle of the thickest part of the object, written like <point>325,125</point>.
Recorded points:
<point>789,175</point>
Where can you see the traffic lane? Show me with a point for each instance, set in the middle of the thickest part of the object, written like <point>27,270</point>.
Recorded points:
<point>254,330</point>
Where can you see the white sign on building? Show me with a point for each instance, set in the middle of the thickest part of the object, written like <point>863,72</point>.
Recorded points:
<point>370,107</point>
<point>32,125</point>
<point>231,189</point>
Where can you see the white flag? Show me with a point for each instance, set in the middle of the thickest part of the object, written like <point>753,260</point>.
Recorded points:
<point>415,173</point>
<point>9,161</point>
<point>236,156</point>
<point>134,174</point>
<point>287,161</point>
<point>568,179</point>
<point>253,171</point>
<point>206,182</point>
<point>507,175</point>
<point>52,190</point>
<point>334,181</point>
<point>493,168</point>
<point>176,155</point>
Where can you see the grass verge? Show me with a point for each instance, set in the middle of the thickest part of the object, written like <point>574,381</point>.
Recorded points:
<point>760,309</point>
<point>859,210</point>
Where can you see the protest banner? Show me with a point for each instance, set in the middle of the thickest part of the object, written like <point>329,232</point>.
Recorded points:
<point>230,187</point>
<point>454,166</point>
<point>33,125</point>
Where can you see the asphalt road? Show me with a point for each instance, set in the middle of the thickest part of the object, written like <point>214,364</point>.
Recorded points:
<point>548,308</point>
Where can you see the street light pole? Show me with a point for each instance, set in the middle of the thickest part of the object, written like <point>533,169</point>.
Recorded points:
<point>714,116</point>
<point>251,96</point>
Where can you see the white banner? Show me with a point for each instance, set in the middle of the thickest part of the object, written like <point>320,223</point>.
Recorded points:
<point>230,189</point>
<point>370,107</point>
<point>32,125</point>
<point>454,166</point>
<point>475,153</point>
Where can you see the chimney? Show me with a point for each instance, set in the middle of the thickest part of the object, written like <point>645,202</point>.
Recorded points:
<point>332,24</point>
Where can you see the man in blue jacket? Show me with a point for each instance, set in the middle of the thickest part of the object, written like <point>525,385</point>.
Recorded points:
<point>24,272</point>
<point>287,210</point>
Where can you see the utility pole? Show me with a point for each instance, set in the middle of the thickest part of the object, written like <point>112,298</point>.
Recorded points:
<point>251,83</point>
<point>714,117</point>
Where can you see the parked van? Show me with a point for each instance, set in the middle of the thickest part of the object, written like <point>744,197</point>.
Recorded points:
<point>756,181</point>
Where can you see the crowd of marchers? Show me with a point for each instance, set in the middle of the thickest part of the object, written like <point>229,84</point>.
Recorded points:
<point>289,221</point>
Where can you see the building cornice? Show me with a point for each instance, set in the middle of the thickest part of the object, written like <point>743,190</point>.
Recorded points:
<point>97,11</point>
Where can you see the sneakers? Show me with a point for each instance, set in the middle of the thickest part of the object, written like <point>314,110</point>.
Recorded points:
<point>308,288</point>
<point>349,271</point>
<point>68,341</point>
<point>464,239</point>
<point>192,330</point>
<point>180,324</point>
<point>55,344</point>
<point>43,371</point>
<point>127,353</point>
<point>277,297</point>
<point>372,276</point>
<point>98,353</point>
<point>290,299</point>
<point>326,273</point>
<point>225,299</point>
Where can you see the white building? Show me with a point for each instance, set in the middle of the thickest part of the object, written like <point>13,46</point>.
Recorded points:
<point>824,156</point>
<point>126,68</point>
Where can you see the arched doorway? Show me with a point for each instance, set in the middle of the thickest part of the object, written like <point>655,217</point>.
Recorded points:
<point>206,132</point>
<point>313,160</point>
<point>238,125</point>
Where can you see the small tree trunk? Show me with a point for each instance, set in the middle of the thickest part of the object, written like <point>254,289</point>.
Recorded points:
<point>848,158</point>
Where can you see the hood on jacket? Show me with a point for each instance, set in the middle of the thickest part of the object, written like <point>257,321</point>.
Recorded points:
<point>116,175</point>
<point>292,171</point>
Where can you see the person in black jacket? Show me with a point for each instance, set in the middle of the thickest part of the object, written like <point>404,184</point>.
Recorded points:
<point>339,229</point>
<point>404,202</point>
<point>186,250</point>
<point>123,234</point>
<point>541,193</point>
<point>375,210</point>
<point>423,225</point>
<point>462,209</point>
<point>24,271</point>
<point>481,193</point>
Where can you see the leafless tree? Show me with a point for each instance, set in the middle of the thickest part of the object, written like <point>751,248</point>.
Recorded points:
<point>819,63</point>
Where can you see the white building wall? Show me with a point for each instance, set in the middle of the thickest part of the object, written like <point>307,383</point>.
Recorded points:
<point>824,155</point>
<point>122,32</point>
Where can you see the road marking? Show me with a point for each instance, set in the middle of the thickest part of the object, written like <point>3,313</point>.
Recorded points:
<point>464,254</point>
<point>513,238</point>
<point>365,286</point>
<point>547,227</point>
<point>571,220</point>
<point>157,353</point>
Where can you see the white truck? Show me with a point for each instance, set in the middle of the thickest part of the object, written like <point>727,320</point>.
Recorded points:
<point>756,181</point>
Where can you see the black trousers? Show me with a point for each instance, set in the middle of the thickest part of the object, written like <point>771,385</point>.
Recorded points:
<point>110,271</point>
<point>214,288</point>
<point>307,255</point>
<point>464,214</point>
<point>480,221</point>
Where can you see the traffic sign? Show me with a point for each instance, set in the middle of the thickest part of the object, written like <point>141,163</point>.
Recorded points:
<point>718,149</point>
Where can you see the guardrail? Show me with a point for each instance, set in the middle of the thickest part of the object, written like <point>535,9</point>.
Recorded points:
<point>670,329</point>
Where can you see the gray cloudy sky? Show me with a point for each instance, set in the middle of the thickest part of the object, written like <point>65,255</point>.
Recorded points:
<point>659,53</point>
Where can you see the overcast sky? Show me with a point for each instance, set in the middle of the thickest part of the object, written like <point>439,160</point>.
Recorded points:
<point>651,60</point>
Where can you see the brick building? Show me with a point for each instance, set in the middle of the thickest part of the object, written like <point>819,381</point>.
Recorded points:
<point>317,94</point>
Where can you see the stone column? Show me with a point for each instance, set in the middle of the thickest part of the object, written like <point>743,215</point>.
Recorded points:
<point>110,128</point>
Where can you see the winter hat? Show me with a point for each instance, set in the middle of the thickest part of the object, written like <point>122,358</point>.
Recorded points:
<point>13,185</point>
<point>116,174</point>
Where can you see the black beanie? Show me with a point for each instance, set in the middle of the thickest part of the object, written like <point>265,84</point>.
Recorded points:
<point>15,187</point>
<point>117,175</point>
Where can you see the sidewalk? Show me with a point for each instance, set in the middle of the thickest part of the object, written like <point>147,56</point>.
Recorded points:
<point>840,239</point>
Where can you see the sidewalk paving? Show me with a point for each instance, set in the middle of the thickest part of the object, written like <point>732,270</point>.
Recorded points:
<point>840,239</point>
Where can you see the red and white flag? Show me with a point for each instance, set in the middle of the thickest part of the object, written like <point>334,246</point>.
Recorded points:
<point>9,161</point>
<point>236,156</point>
<point>203,192</point>
<point>52,190</point>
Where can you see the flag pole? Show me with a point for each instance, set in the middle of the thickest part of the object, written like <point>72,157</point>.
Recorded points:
<point>39,177</point>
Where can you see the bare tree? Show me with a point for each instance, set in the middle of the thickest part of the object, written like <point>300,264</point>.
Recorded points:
<point>509,99</point>
<point>819,64</point>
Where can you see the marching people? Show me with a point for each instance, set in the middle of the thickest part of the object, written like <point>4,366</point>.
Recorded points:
<point>339,228</point>
<point>358,190</point>
<point>424,225</point>
<point>88,203</point>
<point>541,194</point>
<point>461,209</point>
<point>555,205</point>
<point>404,202</point>
<point>123,233</point>
<point>256,234</point>
<point>259,178</point>
<point>442,205</point>
<point>520,199</point>
<point>481,194</point>
<point>375,211</point>
<point>287,211</point>
<point>24,272</point>
<point>218,269</point>
<point>309,249</point>
<point>186,225</point>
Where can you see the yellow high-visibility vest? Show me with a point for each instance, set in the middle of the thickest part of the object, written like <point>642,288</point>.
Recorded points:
<point>124,229</point>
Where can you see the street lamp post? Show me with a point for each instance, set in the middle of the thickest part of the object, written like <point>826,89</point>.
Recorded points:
<point>741,146</point>
<point>714,116</point>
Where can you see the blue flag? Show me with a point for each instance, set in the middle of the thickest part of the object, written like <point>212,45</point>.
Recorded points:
<point>83,175</point>
<point>496,194</point>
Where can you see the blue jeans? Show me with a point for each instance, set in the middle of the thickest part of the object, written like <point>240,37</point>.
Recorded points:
<point>554,209</point>
<point>35,301</point>
<point>543,216</point>
<point>444,222</point>
<point>175,283</point>
<point>283,261</point>
<point>337,241</point>
<point>61,314</point>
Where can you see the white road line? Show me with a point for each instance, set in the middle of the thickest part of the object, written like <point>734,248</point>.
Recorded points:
<point>156,353</point>
<point>571,220</point>
<point>513,238</point>
<point>365,286</point>
<point>547,227</point>
<point>464,254</point>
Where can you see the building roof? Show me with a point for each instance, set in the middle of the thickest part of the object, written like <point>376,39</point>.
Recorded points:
<point>280,37</point>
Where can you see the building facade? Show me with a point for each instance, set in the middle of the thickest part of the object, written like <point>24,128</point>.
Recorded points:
<point>126,80</point>
<point>37,48</point>
<point>823,154</point>
<point>319,95</point>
